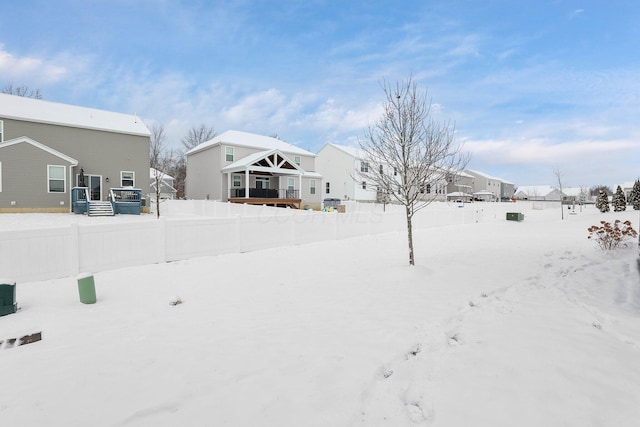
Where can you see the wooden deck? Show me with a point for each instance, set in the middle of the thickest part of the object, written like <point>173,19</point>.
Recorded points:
<point>282,203</point>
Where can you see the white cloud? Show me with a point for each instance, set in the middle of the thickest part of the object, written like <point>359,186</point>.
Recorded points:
<point>29,68</point>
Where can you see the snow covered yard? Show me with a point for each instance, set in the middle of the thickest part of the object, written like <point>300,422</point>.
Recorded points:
<point>500,323</point>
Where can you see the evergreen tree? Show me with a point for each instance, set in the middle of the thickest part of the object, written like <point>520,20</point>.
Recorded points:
<point>634,197</point>
<point>618,200</point>
<point>602,202</point>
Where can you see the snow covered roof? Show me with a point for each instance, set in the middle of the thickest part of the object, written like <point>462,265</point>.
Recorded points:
<point>164,176</point>
<point>484,175</point>
<point>252,140</point>
<point>536,190</point>
<point>572,191</point>
<point>38,110</point>
<point>352,151</point>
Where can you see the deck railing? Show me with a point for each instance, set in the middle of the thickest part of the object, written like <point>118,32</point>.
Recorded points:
<point>265,193</point>
<point>80,199</point>
<point>126,200</point>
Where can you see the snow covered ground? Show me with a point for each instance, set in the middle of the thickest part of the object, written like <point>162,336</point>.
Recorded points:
<point>500,323</point>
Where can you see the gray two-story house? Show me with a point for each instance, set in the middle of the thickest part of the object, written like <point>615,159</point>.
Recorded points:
<point>47,148</point>
<point>242,167</point>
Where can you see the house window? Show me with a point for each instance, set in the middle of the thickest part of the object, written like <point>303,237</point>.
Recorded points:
<point>312,186</point>
<point>126,179</point>
<point>228,152</point>
<point>237,181</point>
<point>1,131</point>
<point>428,189</point>
<point>56,177</point>
<point>364,185</point>
<point>364,167</point>
<point>422,189</point>
<point>290,183</point>
<point>395,171</point>
<point>328,188</point>
<point>296,160</point>
<point>381,169</point>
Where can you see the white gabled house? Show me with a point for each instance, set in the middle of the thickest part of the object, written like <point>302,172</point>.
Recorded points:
<point>242,167</point>
<point>538,193</point>
<point>340,167</point>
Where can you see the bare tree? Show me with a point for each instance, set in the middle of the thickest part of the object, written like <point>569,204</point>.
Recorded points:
<point>406,151</point>
<point>197,135</point>
<point>22,91</point>
<point>160,160</point>
<point>558,174</point>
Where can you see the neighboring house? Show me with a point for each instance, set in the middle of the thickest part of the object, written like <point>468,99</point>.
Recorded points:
<point>243,167</point>
<point>538,193</point>
<point>341,168</point>
<point>627,187</point>
<point>490,188</point>
<point>47,148</point>
<point>573,195</point>
<point>167,191</point>
<point>460,186</point>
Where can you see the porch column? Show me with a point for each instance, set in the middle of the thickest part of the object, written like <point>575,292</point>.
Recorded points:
<point>246,184</point>
<point>300,187</point>
<point>228,184</point>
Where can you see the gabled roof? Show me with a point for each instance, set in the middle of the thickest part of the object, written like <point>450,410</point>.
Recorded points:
<point>163,176</point>
<point>486,176</point>
<point>251,140</point>
<point>536,190</point>
<point>40,111</point>
<point>27,140</point>
<point>352,151</point>
<point>272,161</point>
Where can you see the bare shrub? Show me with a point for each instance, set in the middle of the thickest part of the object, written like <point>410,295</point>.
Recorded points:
<point>609,236</point>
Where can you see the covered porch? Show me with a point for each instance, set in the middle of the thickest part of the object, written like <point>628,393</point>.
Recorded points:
<point>265,178</point>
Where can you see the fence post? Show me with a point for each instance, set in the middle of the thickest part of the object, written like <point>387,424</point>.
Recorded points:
<point>162,231</point>
<point>74,250</point>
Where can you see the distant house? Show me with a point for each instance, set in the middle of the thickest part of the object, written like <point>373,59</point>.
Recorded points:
<point>490,188</point>
<point>538,193</point>
<point>627,187</point>
<point>167,191</point>
<point>342,168</point>
<point>460,186</point>
<point>575,195</point>
<point>47,148</point>
<point>243,167</point>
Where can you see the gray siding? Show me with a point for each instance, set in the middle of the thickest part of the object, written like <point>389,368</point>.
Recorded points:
<point>98,152</point>
<point>24,179</point>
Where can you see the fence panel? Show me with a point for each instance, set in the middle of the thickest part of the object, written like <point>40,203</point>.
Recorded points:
<point>36,254</point>
<point>195,237</point>
<point>108,246</point>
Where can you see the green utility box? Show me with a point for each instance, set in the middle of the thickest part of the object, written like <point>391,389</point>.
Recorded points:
<point>515,216</point>
<point>87,289</point>
<point>8,303</point>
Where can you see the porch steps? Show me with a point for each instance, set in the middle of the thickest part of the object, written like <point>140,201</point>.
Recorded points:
<point>99,208</point>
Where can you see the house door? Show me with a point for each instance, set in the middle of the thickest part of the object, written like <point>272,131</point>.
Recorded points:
<point>94,182</point>
<point>262,182</point>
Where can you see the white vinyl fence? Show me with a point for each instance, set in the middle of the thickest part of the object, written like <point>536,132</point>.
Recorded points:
<point>199,228</point>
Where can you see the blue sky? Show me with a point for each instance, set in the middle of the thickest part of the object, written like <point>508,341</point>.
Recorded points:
<point>532,85</point>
